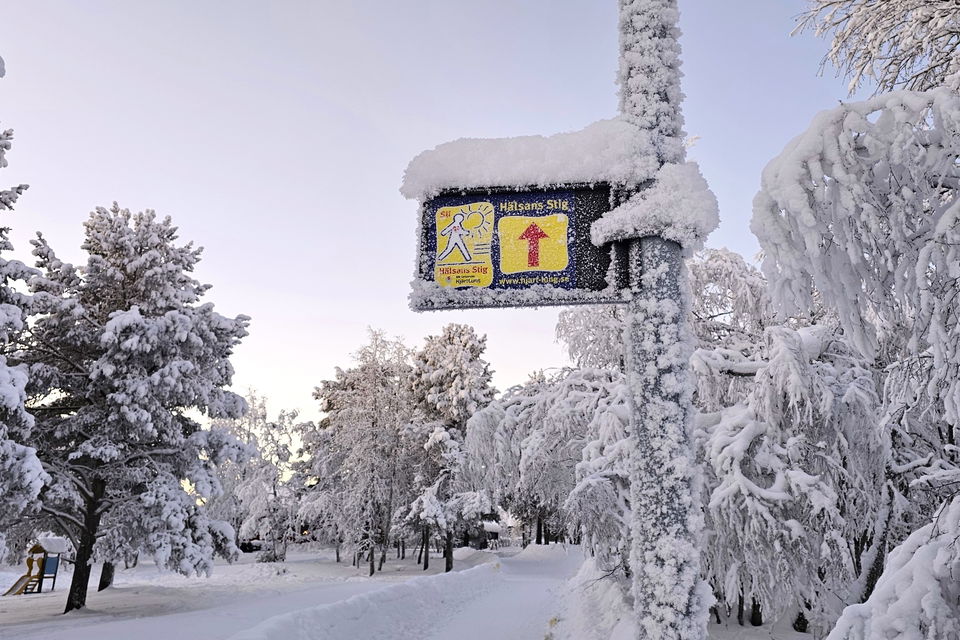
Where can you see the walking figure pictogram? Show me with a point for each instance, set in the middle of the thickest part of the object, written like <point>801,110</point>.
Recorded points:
<point>456,233</point>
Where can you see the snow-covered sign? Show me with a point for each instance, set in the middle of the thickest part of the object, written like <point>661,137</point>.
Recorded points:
<point>506,221</point>
<point>507,247</point>
<point>510,221</point>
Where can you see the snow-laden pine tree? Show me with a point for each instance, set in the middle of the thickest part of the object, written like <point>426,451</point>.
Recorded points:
<point>21,475</point>
<point>450,382</point>
<point>895,43</point>
<point>121,353</point>
<point>861,210</point>
<point>367,408</point>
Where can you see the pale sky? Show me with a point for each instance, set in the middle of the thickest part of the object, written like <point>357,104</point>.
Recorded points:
<point>275,134</point>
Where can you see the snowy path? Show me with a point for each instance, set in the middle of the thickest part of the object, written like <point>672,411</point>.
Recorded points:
<point>507,597</point>
<point>523,603</point>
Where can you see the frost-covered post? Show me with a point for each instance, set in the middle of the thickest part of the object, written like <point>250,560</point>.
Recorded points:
<point>665,557</point>
<point>663,211</point>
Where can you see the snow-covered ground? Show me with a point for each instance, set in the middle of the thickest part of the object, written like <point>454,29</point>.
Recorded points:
<point>145,604</point>
<point>537,593</point>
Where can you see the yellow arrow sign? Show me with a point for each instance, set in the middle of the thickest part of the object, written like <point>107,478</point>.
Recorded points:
<point>533,243</point>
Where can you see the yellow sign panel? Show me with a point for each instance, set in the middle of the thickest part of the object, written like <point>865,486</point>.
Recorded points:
<point>533,243</point>
<point>464,239</point>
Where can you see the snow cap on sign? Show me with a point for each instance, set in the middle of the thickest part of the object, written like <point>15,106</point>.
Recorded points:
<point>609,151</point>
<point>54,544</point>
<point>678,206</point>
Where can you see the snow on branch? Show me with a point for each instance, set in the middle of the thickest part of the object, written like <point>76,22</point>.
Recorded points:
<point>897,43</point>
<point>916,597</point>
<point>862,208</point>
<point>679,206</point>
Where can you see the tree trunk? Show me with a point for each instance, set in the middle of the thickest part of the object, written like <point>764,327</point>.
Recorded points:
<point>106,576</point>
<point>77,598</point>
<point>800,623</point>
<point>740,609</point>
<point>466,538</point>
<point>426,547</point>
<point>539,530</point>
<point>403,549</point>
<point>372,549</point>
<point>448,552</point>
<point>879,549</point>
<point>338,551</point>
<point>756,616</point>
<point>383,556</point>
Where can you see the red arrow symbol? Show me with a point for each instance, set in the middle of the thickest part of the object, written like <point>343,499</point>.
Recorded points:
<point>533,235</point>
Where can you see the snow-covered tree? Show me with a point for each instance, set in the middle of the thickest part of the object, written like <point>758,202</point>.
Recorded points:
<point>318,474</point>
<point>863,209</point>
<point>795,478</point>
<point>226,505</point>
<point>257,499</point>
<point>449,382</point>
<point>793,482</point>
<point>120,352</point>
<point>592,335</point>
<point>267,500</point>
<point>560,430</point>
<point>729,311</point>
<point>367,408</point>
<point>913,44</point>
<point>21,475</point>
<point>450,379</point>
<point>918,596</point>
<point>598,506</point>
<point>861,213</point>
<point>494,441</point>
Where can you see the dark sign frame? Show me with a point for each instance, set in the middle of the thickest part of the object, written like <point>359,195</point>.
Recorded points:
<point>501,267</point>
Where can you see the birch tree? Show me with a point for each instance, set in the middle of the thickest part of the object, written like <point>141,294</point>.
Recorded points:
<point>861,212</point>
<point>367,407</point>
<point>911,44</point>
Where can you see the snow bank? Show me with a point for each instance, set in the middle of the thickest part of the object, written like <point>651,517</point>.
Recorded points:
<point>679,206</point>
<point>398,611</point>
<point>541,552</point>
<point>612,151</point>
<point>597,607</point>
